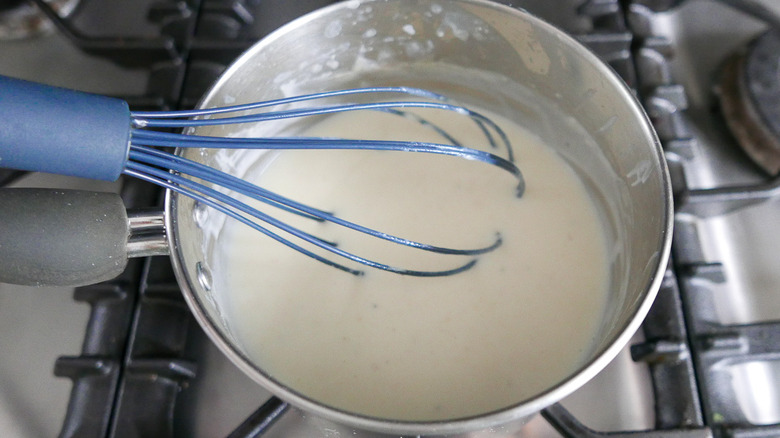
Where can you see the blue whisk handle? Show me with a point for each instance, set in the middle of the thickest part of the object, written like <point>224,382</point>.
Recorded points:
<point>55,130</point>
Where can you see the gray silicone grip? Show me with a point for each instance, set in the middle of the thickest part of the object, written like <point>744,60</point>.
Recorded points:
<point>54,237</point>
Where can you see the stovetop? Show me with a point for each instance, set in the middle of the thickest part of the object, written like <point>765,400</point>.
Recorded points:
<point>125,359</point>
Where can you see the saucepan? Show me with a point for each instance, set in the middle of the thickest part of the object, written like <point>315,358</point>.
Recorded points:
<point>485,53</point>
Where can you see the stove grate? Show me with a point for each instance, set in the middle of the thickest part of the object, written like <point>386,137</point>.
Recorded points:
<point>714,347</point>
<point>132,365</point>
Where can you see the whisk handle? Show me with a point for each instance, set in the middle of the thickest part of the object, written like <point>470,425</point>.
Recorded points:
<point>56,130</point>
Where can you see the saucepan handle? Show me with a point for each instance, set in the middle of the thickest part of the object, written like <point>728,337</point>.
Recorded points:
<point>52,237</point>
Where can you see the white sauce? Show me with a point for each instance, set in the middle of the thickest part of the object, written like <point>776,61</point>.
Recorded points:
<point>407,348</point>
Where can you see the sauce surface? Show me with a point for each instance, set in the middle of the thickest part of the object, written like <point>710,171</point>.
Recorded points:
<point>407,348</point>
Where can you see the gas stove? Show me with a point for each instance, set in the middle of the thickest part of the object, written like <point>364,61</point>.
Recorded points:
<point>125,358</point>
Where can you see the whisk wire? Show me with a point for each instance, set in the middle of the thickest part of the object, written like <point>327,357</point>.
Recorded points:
<point>175,172</point>
<point>166,139</point>
<point>175,122</point>
<point>172,119</point>
<point>211,175</point>
<point>135,170</point>
<point>418,92</point>
<point>231,207</point>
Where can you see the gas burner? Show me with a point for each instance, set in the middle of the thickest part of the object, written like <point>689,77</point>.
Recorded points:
<point>750,100</point>
<point>21,19</point>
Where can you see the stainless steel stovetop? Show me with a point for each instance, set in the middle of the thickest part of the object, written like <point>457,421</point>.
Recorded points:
<point>725,265</point>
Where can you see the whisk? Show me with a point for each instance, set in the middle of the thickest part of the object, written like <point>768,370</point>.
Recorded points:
<point>67,132</point>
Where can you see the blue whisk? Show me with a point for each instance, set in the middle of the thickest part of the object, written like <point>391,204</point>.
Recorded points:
<point>67,132</point>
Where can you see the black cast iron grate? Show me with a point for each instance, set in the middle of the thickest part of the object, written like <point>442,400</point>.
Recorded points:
<point>711,346</point>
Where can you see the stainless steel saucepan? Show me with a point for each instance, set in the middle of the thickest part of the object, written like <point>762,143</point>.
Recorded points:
<point>479,52</point>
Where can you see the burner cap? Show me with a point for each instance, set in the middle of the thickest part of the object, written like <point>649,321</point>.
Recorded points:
<point>21,19</point>
<point>750,100</point>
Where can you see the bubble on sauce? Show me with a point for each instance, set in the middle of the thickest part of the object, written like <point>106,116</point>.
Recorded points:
<point>363,63</point>
<point>365,14</point>
<point>200,214</point>
<point>480,33</point>
<point>451,28</point>
<point>385,55</point>
<point>203,274</point>
<point>283,77</point>
<point>333,29</point>
<point>417,48</point>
